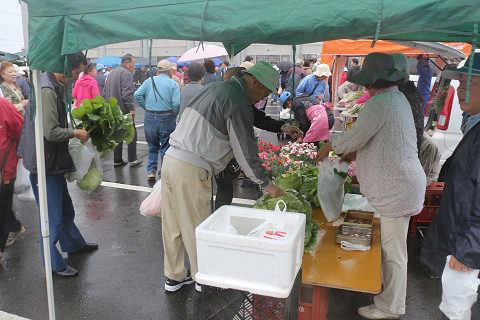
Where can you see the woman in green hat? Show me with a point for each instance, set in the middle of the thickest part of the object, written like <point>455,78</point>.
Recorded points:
<point>383,142</point>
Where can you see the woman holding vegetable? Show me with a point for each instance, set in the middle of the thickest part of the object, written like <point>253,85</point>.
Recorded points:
<point>383,141</point>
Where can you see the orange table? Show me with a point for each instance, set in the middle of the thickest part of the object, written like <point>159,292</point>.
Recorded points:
<point>329,266</point>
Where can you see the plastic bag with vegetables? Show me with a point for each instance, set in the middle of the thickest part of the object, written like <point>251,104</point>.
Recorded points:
<point>94,176</point>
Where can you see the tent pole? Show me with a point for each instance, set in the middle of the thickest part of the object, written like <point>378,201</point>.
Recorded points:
<point>42,192</point>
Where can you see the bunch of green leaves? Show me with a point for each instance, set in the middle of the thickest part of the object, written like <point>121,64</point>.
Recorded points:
<point>295,203</point>
<point>289,180</point>
<point>309,186</point>
<point>105,123</point>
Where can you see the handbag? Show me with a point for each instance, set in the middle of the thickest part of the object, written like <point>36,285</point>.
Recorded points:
<point>4,165</point>
<point>232,170</point>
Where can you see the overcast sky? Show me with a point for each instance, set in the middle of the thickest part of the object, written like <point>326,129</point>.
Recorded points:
<point>11,33</point>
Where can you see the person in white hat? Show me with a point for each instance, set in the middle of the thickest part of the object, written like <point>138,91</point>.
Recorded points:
<point>314,84</point>
<point>160,97</point>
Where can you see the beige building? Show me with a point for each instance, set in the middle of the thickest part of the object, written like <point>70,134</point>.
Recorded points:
<point>162,48</point>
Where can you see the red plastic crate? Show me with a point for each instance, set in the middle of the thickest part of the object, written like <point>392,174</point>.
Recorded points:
<point>433,198</point>
<point>313,304</point>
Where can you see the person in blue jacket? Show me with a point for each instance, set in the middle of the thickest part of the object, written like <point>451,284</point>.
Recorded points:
<point>425,79</point>
<point>314,84</point>
<point>455,230</point>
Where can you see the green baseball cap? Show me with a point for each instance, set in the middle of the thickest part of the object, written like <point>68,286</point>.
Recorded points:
<point>377,66</point>
<point>266,74</point>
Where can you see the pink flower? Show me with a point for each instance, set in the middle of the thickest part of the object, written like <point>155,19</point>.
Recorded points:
<point>291,169</point>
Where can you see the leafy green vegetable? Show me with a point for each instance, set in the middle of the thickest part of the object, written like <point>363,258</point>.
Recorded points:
<point>295,203</point>
<point>311,228</point>
<point>91,180</point>
<point>105,123</point>
<point>289,180</point>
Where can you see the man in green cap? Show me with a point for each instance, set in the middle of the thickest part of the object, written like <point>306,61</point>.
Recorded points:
<point>216,125</point>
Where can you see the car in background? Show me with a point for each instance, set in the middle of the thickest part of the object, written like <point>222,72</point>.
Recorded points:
<point>447,133</point>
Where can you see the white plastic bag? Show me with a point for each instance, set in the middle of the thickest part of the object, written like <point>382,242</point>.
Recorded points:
<point>330,187</point>
<point>151,206</point>
<point>273,228</point>
<point>357,202</point>
<point>459,292</point>
<point>22,182</point>
<point>82,156</point>
<point>94,176</point>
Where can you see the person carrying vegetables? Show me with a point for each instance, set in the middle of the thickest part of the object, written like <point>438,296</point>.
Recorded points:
<point>216,125</point>
<point>58,162</point>
<point>383,141</point>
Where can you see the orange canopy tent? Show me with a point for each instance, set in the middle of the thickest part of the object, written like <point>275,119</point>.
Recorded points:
<point>340,50</point>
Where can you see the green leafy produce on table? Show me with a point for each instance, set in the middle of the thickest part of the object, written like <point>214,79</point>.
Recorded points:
<point>105,123</point>
<point>289,180</point>
<point>295,203</point>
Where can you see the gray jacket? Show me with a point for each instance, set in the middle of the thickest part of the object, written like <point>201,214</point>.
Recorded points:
<point>217,125</point>
<point>187,94</point>
<point>119,84</point>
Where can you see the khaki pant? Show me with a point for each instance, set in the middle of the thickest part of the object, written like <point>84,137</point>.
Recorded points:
<point>394,265</point>
<point>186,194</point>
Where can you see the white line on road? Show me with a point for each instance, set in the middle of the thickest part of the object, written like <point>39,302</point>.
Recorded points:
<point>248,202</point>
<point>139,125</point>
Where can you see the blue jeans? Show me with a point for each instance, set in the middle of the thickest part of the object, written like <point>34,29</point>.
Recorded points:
<point>158,127</point>
<point>60,219</point>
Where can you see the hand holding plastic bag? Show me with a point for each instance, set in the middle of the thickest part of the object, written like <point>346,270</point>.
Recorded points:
<point>151,206</point>
<point>93,178</point>
<point>82,157</point>
<point>459,292</point>
<point>331,178</point>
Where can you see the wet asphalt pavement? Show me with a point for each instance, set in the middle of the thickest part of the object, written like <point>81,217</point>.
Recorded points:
<point>124,278</point>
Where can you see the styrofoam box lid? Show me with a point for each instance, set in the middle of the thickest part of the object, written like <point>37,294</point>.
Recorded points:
<point>244,220</point>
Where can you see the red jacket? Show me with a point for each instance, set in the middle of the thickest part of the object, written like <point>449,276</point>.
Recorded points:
<point>10,130</point>
<point>85,88</point>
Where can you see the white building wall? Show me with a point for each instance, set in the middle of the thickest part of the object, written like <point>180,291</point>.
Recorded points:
<point>163,48</point>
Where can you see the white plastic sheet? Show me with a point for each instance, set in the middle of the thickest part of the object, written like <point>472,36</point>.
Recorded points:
<point>152,205</point>
<point>357,202</point>
<point>22,182</point>
<point>330,187</point>
<point>459,292</point>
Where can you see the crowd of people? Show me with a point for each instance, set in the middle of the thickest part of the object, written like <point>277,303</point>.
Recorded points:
<point>202,124</point>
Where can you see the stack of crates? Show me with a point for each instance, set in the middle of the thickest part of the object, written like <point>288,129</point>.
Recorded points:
<point>433,197</point>
<point>230,304</point>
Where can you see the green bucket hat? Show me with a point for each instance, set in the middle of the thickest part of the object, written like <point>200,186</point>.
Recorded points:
<point>266,74</point>
<point>377,66</point>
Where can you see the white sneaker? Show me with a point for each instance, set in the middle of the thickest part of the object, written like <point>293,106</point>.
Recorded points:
<point>371,312</point>
<point>198,287</point>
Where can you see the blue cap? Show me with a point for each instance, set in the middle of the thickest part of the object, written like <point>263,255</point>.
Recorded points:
<point>99,66</point>
<point>142,66</point>
<point>284,96</point>
<point>455,73</point>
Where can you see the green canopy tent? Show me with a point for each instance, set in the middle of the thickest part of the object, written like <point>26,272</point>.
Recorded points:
<point>58,27</point>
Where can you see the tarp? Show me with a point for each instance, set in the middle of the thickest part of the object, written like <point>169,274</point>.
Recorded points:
<point>58,27</point>
<point>341,49</point>
<point>110,60</point>
<point>179,64</point>
<point>357,48</point>
<point>5,56</point>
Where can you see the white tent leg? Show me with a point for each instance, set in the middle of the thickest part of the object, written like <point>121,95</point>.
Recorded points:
<point>42,192</point>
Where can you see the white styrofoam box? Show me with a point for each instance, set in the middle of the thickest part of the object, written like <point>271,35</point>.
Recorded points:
<point>237,261</point>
